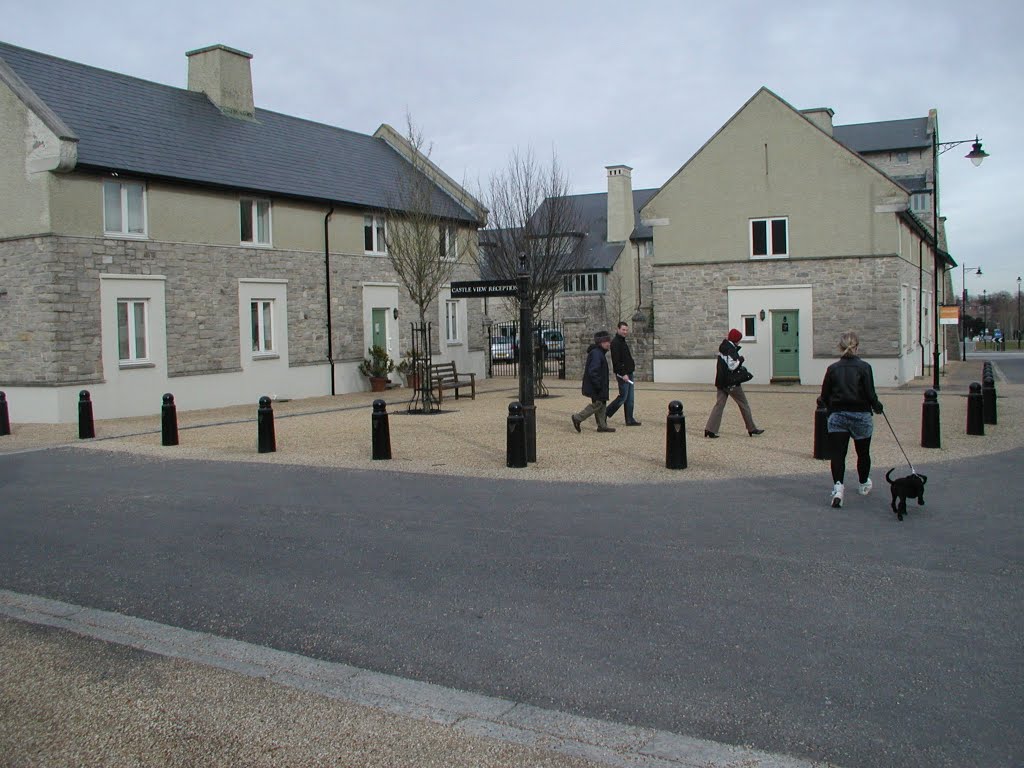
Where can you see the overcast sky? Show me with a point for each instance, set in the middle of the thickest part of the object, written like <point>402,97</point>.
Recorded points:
<point>601,83</point>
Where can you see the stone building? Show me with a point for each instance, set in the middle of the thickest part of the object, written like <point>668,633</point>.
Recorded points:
<point>157,239</point>
<point>780,229</point>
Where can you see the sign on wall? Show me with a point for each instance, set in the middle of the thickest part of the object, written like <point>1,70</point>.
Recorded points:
<point>480,288</point>
<point>949,315</point>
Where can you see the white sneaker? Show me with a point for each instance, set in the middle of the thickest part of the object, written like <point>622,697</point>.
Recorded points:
<point>837,495</point>
<point>865,488</point>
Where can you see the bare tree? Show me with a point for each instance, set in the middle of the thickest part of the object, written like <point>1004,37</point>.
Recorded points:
<point>424,245</point>
<point>532,215</point>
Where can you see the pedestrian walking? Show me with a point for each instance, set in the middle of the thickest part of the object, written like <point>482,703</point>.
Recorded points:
<point>623,368</point>
<point>729,359</point>
<point>848,392</point>
<point>595,384</point>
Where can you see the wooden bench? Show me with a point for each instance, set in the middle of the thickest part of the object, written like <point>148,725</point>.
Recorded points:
<point>444,376</point>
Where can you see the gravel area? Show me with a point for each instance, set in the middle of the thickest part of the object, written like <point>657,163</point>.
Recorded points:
<point>468,438</point>
<point>67,700</point>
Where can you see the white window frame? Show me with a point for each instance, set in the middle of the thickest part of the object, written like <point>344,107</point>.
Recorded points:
<point>447,239</point>
<point>585,283</point>
<point>768,221</point>
<point>133,306</point>
<point>254,207</point>
<point>123,193</point>
<point>743,324</point>
<point>264,307</point>
<point>451,321</point>
<point>916,200</point>
<point>378,224</point>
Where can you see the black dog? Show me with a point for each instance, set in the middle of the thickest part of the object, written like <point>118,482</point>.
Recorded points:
<point>903,488</point>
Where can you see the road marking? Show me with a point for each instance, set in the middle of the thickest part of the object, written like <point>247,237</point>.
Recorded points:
<point>473,714</point>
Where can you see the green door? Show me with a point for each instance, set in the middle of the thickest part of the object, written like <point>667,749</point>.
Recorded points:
<point>785,345</point>
<point>380,327</point>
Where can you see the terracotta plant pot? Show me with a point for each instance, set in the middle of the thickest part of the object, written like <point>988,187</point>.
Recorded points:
<point>378,383</point>
<point>413,381</point>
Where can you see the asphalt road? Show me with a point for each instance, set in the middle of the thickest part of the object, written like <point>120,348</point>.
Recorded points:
<point>746,612</point>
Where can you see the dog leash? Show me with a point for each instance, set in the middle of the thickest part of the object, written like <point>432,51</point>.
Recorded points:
<point>912,470</point>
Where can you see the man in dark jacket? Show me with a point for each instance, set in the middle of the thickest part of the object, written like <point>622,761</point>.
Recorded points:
<point>623,367</point>
<point>729,359</point>
<point>595,383</point>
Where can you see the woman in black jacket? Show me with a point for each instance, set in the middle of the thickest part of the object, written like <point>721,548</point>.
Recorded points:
<point>729,359</point>
<point>848,392</point>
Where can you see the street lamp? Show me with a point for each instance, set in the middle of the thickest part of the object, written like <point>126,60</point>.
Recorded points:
<point>1019,334</point>
<point>984,315</point>
<point>963,320</point>
<point>977,155</point>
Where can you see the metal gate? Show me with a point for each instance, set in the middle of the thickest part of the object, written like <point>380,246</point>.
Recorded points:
<point>503,349</point>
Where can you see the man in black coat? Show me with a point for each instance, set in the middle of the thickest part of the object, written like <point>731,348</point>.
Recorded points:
<point>623,367</point>
<point>595,383</point>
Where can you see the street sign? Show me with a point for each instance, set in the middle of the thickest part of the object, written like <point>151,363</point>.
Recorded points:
<point>481,288</point>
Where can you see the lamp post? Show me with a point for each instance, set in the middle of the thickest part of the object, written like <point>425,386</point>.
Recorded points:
<point>1019,334</point>
<point>963,319</point>
<point>977,155</point>
<point>984,314</point>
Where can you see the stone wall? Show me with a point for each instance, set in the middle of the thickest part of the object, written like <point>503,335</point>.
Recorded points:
<point>863,293</point>
<point>51,313</point>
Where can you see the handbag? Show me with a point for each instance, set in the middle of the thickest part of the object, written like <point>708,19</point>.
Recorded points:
<point>739,375</point>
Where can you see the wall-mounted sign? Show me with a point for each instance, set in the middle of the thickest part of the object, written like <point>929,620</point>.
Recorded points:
<point>949,315</point>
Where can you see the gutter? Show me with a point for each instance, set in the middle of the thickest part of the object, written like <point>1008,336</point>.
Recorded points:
<point>327,284</point>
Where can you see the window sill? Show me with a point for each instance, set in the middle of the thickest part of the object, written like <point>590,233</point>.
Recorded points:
<point>124,236</point>
<point>244,244</point>
<point>455,343</point>
<point>769,258</point>
<point>127,365</point>
<point>374,253</point>
<point>265,356</point>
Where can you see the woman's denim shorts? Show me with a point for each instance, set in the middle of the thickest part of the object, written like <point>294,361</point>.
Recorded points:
<point>859,424</point>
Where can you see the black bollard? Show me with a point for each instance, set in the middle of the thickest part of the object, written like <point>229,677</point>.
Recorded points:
<point>86,427</point>
<point>975,411</point>
<point>380,431</point>
<point>5,417</point>
<point>930,436</point>
<point>265,426</point>
<point>168,421</point>
<point>988,399</point>
<point>675,437</point>
<point>821,431</point>
<point>515,439</point>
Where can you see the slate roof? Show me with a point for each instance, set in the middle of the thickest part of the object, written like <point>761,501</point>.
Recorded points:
<point>135,126</point>
<point>911,133</point>
<point>598,253</point>
<point>913,183</point>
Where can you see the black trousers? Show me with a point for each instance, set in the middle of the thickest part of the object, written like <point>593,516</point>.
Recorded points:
<point>839,443</point>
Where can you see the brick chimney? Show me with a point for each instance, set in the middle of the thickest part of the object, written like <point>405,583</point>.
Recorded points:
<point>821,117</point>
<point>225,76</point>
<point>620,203</point>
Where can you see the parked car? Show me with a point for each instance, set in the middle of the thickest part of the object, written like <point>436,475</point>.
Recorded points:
<point>553,343</point>
<point>504,349</point>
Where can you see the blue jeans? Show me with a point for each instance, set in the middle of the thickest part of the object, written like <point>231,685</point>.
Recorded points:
<point>625,399</point>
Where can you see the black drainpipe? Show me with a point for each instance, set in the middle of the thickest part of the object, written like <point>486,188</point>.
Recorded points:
<point>327,280</point>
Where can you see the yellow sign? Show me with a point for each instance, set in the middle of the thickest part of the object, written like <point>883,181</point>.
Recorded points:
<point>949,315</point>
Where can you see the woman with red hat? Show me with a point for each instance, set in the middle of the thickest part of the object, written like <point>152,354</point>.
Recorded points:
<point>729,359</point>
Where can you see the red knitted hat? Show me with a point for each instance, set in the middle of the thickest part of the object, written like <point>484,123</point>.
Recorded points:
<point>735,336</point>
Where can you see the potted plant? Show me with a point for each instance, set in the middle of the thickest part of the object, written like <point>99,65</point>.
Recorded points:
<point>377,367</point>
<point>408,368</point>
